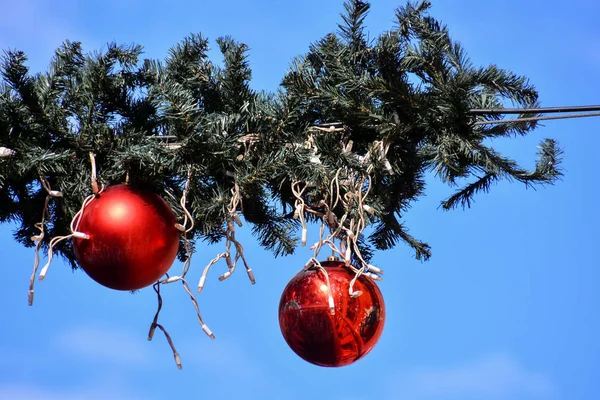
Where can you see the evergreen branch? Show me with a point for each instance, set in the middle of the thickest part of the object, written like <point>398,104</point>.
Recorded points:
<point>547,168</point>
<point>410,15</point>
<point>387,233</point>
<point>400,103</point>
<point>14,72</point>
<point>352,29</point>
<point>464,197</point>
<point>507,84</point>
<point>235,79</point>
<point>422,249</point>
<point>276,235</point>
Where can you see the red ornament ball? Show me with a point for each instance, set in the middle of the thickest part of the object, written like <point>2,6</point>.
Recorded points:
<point>132,241</point>
<point>316,335</point>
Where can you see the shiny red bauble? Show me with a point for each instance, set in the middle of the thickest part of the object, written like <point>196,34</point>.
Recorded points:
<point>316,335</point>
<point>132,241</point>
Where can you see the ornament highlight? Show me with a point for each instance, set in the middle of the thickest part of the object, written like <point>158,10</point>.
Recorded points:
<point>323,338</point>
<point>132,241</point>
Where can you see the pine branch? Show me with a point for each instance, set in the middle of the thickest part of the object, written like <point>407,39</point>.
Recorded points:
<point>352,29</point>
<point>277,236</point>
<point>400,104</point>
<point>389,231</point>
<point>464,197</point>
<point>236,76</point>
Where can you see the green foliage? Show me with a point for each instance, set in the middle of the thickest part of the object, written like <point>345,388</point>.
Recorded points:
<point>403,99</point>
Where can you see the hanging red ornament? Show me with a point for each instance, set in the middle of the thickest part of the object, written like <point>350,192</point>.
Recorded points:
<point>132,241</point>
<point>322,338</point>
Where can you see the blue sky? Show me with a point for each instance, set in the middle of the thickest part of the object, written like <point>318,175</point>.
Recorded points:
<point>505,309</point>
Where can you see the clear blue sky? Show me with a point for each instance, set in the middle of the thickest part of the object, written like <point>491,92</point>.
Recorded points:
<point>507,308</point>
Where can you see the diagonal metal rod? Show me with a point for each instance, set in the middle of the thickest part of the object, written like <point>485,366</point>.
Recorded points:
<point>540,110</point>
<point>544,118</point>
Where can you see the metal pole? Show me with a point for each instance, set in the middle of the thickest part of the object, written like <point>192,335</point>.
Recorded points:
<point>542,110</point>
<point>545,118</point>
